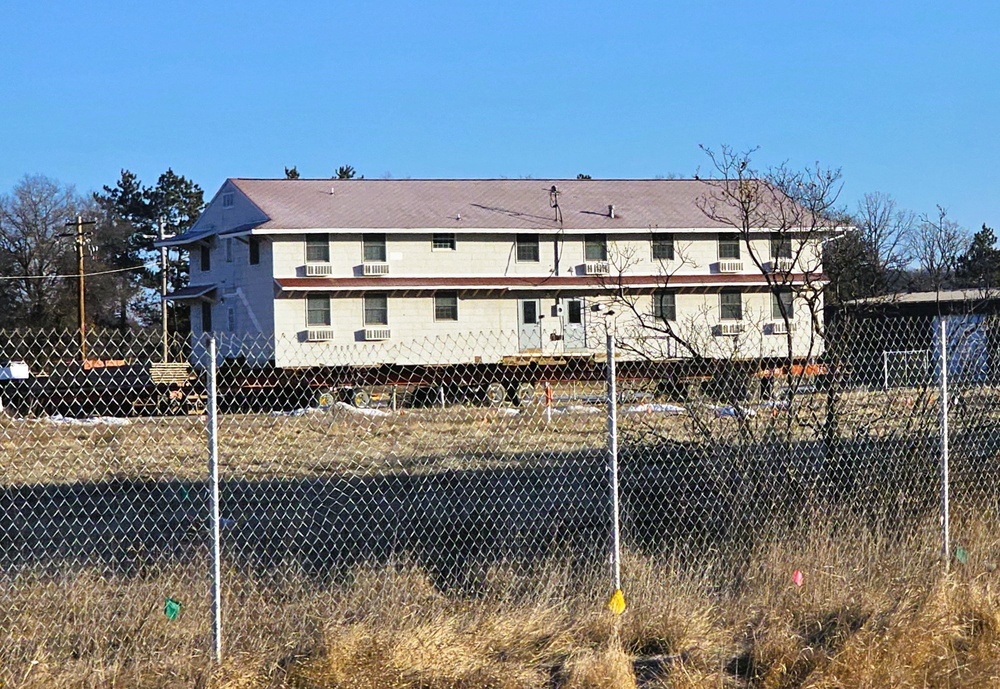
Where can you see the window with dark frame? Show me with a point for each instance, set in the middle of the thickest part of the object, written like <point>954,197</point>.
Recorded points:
<point>665,306</point>
<point>228,199</point>
<point>663,247</point>
<point>782,303</point>
<point>731,305</point>
<point>444,241</point>
<point>206,317</point>
<point>318,248</point>
<point>376,309</point>
<point>231,319</point>
<point>318,312</point>
<point>254,246</point>
<point>595,247</point>
<point>229,250</point>
<point>529,312</point>
<point>527,248</point>
<point>373,248</point>
<point>781,245</point>
<point>729,247</point>
<point>446,306</point>
<point>574,312</point>
<point>206,258</point>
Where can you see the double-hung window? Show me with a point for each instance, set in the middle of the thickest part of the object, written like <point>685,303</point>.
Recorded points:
<point>731,305</point>
<point>318,248</point>
<point>595,247</point>
<point>665,306</point>
<point>446,306</point>
<point>318,312</point>
<point>254,246</point>
<point>663,247</point>
<point>782,304</point>
<point>373,247</point>
<point>729,247</point>
<point>206,317</point>
<point>527,248</point>
<point>205,254</point>
<point>376,309</point>
<point>443,241</point>
<point>781,245</point>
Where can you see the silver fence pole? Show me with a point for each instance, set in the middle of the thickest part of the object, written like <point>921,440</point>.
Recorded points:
<point>613,462</point>
<point>945,506</point>
<point>213,472</point>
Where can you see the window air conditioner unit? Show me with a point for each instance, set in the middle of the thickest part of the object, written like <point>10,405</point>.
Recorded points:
<point>319,334</point>
<point>730,266</point>
<point>727,329</point>
<point>369,269</point>
<point>782,328</point>
<point>596,268</point>
<point>376,334</point>
<point>318,270</point>
<point>782,265</point>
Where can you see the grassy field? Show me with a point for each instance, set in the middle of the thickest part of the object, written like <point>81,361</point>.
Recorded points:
<point>876,606</point>
<point>873,610</point>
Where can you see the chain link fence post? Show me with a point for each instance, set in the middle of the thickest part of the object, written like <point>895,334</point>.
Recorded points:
<point>613,463</point>
<point>213,473</point>
<point>945,507</point>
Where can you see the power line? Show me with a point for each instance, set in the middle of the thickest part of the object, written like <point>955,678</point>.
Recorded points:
<point>72,275</point>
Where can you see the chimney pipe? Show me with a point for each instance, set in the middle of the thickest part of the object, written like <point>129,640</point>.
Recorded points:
<point>611,211</point>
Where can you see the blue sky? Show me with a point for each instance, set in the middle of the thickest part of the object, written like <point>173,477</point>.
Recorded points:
<point>903,96</point>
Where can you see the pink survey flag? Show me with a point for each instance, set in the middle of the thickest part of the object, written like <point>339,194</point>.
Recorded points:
<point>797,577</point>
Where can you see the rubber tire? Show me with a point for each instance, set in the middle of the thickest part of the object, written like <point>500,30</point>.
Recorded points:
<point>524,394</point>
<point>495,395</point>
<point>324,397</point>
<point>361,398</point>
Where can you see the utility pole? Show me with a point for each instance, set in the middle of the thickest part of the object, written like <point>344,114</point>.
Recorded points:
<point>79,238</point>
<point>163,294</point>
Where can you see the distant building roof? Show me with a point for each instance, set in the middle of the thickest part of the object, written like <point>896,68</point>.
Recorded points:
<point>950,296</point>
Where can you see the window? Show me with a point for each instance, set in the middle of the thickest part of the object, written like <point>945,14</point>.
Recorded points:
<point>446,306</point>
<point>595,247</point>
<point>229,250</point>
<point>376,309</point>
<point>663,247</point>
<point>228,200</point>
<point>206,317</point>
<point>574,312</point>
<point>781,304</point>
<point>373,248</point>
<point>729,247</point>
<point>318,311</point>
<point>231,319</point>
<point>444,241</point>
<point>781,245</point>
<point>527,248</point>
<point>529,312</point>
<point>206,258</point>
<point>665,306</point>
<point>731,306</point>
<point>254,251</point>
<point>318,248</point>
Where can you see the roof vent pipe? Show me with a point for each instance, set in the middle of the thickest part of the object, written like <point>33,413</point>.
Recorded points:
<point>611,211</point>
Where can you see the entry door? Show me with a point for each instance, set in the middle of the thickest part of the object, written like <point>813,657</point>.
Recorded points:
<point>530,330</point>
<point>574,325</point>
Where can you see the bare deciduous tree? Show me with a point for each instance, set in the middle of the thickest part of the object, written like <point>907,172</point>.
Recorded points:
<point>937,245</point>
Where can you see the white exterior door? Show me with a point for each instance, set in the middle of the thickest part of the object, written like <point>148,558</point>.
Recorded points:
<point>574,326</point>
<point>530,327</point>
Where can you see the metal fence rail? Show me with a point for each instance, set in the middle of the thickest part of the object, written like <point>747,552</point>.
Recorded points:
<point>195,506</point>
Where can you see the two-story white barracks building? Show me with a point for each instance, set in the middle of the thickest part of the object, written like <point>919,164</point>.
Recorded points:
<point>314,272</point>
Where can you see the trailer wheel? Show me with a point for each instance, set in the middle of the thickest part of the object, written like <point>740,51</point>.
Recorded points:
<point>496,395</point>
<point>361,398</point>
<point>324,398</point>
<point>524,394</point>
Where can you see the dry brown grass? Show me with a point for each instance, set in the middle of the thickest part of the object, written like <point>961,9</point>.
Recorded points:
<point>873,611</point>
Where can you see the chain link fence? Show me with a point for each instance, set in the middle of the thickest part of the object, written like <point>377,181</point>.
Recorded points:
<point>339,467</point>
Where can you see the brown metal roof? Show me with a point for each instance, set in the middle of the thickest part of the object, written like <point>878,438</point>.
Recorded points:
<point>516,204</point>
<point>522,283</point>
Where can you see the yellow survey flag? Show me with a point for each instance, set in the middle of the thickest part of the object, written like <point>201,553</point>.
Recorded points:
<point>616,603</point>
